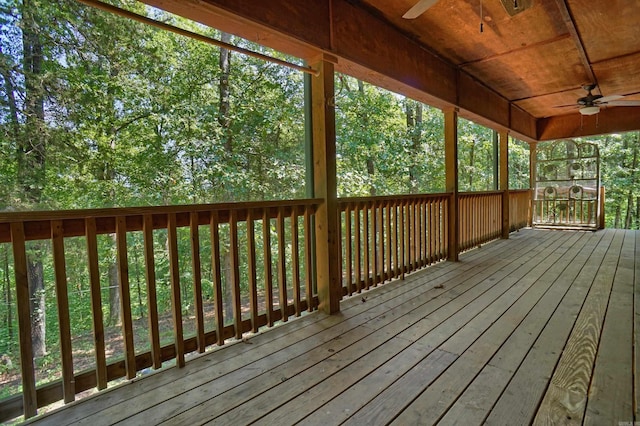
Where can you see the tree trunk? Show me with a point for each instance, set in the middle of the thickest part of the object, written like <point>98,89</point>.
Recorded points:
<point>362,117</point>
<point>31,155</point>
<point>413,112</point>
<point>471,164</point>
<point>628,219</point>
<point>35,273</point>
<point>618,219</point>
<point>371,172</point>
<point>224,103</point>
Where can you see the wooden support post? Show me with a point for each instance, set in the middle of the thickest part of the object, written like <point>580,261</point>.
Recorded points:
<point>451,172</point>
<point>325,187</point>
<point>504,181</point>
<point>533,166</point>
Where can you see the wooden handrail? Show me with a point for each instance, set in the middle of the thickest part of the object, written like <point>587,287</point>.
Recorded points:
<point>382,238</point>
<point>37,222</point>
<point>292,255</point>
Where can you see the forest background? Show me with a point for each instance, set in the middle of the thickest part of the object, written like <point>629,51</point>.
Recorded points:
<point>100,111</point>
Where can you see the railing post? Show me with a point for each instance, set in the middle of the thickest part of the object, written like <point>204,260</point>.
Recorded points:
<point>504,181</point>
<point>533,159</point>
<point>324,171</point>
<point>451,172</point>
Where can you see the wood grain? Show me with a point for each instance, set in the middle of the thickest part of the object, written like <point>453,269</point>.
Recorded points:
<point>217,278</point>
<point>29,400</point>
<point>97,320</point>
<point>282,266</point>
<point>567,394</point>
<point>64,320</point>
<point>125,298</point>
<point>295,262</point>
<point>196,271</point>
<point>527,387</point>
<point>268,268</point>
<point>477,400</point>
<point>176,299</point>
<point>252,271</point>
<point>152,298</point>
<point>611,392</point>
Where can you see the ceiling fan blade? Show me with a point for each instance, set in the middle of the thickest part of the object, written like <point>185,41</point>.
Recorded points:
<point>566,106</point>
<point>419,8</point>
<point>623,103</point>
<point>606,99</point>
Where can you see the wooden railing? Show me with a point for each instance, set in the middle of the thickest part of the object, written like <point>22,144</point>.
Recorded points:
<point>385,237</point>
<point>228,250</point>
<point>228,269</point>
<point>519,209</point>
<point>479,218</point>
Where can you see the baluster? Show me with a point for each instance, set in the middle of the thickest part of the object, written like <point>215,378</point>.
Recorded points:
<point>268,272</point>
<point>62,299</point>
<point>152,299</point>
<point>365,228</point>
<point>176,300</point>
<point>374,240</point>
<point>388,274</point>
<point>197,280</point>
<point>125,299</point>
<point>235,272</point>
<point>217,276</point>
<point>96,303</point>
<point>282,265</point>
<point>295,261</point>
<point>357,255</point>
<point>251,265</point>
<point>348,261</point>
<point>29,400</point>
<point>308,261</point>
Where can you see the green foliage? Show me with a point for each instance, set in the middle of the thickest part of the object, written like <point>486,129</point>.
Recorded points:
<point>620,175</point>
<point>380,151</point>
<point>133,117</point>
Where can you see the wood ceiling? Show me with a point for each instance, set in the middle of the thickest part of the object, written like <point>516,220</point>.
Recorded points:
<point>539,58</point>
<point>514,74</point>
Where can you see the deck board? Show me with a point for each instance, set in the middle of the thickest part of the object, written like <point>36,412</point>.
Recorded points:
<point>477,400</point>
<point>566,397</point>
<point>522,395</point>
<point>493,338</point>
<point>503,315</point>
<point>611,390</point>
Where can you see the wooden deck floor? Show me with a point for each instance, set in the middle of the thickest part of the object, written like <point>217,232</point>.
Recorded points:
<point>538,328</point>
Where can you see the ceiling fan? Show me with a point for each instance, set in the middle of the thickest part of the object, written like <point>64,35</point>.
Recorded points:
<point>419,8</point>
<point>512,7</point>
<point>590,104</point>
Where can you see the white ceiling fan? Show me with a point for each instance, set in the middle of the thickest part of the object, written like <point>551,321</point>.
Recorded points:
<point>419,8</point>
<point>590,104</point>
<point>512,7</point>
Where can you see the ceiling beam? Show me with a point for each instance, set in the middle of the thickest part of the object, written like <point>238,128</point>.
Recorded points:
<point>571,26</point>
<point>608,120</point>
